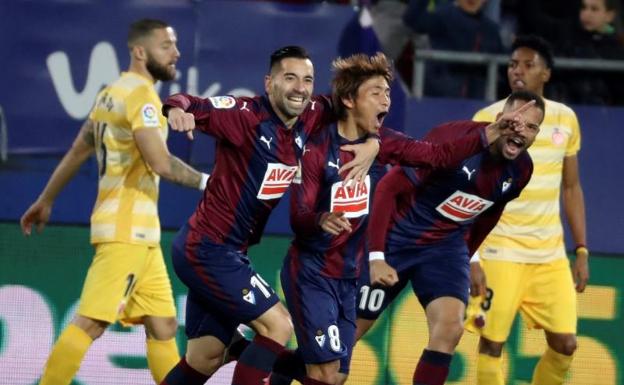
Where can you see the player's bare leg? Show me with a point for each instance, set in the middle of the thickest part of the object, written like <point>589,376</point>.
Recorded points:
<point>204,355</point>
<point>322,374</point>
<point>273,330</point>
<point>445,323</point>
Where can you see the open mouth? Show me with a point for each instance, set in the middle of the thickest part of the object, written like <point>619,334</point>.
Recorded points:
<point>514,145</point>
<point>381,116</point>
<point>296,99</point>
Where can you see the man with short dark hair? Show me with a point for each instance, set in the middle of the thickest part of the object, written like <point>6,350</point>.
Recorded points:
<point>426,223</point>
<point>260,143</point>
<point>524,257</point>
<point>127,280</point>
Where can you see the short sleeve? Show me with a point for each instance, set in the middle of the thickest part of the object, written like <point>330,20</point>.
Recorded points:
<point>574,144</point>
<point>143,109</point>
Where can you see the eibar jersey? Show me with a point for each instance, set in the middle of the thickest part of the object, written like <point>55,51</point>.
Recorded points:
<point>257,158</point>
<point>126,209</point>
<point>448,209</point>
<point>321,190</point>
<point>530,228</point>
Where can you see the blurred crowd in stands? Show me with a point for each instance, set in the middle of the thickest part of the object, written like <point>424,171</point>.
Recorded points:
<point>588,29</point>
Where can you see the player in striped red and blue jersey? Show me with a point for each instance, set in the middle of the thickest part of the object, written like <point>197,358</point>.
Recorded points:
<point>426,223</point>
<point>329,218</point>
<point>260,142</point>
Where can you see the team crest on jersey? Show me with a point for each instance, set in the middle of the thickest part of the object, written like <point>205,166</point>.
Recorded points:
<point>222,102</point>
<point>557,137</point>
<point>249,296</point>
<point>351,199</point>
<point>149,114</point>
<point>461,206</point>
<point>506,185</point>
<point>276,180</point>
<point>320,338</point>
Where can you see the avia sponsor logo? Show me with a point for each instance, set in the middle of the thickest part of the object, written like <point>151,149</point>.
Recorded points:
<point>352,199</point>
<point>461,206</point>
<point>277,178</point>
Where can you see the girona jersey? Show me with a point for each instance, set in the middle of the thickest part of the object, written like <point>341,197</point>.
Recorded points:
<point>530,229</point>
<point>453,208</point>
<point>321,190</point>
<point>126,209</point>
<point>257,158</point>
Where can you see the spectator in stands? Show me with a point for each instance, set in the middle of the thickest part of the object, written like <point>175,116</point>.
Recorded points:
<point>595,37</point>
<point>589,33</point>
<point>457,26</point>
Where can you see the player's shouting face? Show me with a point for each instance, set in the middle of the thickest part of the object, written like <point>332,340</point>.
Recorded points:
<point>289,86</point>
<point>525,131</point>
<point>370,105</point>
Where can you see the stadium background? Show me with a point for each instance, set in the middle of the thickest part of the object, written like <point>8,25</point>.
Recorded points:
<point>57,55</point>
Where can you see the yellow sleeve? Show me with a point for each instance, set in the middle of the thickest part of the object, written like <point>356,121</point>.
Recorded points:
<point>574,144</point>
<point>483,115</point>
<point>143,108</point>
<point>98,101</point>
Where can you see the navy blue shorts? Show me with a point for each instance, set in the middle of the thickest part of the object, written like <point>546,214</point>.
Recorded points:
<point>433,272</point>
<point>224,289</point>
<point>323,313</point>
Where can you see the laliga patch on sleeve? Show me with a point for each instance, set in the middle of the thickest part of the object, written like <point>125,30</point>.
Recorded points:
<point>222,102</point>
<point>149,114</point>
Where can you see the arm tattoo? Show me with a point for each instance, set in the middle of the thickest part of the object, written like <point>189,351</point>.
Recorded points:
<point>88,134</point>
<point>182,173</point>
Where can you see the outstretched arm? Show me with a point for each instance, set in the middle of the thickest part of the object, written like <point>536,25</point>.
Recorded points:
<point>223,117</point>
<point>448,150</point>
<point>155,153</point>
<point>39,212</point>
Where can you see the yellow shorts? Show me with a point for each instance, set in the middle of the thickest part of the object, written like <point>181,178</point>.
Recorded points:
<point>543,292</point>
<point>126,282</point>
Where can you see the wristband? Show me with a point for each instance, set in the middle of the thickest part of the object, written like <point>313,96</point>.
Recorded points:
<point>204,181</point>
<point>581,249</point>
<point>475,257</point>
<point>376,256</point>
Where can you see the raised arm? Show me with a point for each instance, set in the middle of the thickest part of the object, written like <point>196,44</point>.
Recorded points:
<point>39,212</point>
<point>398,148</point>
<point>451,142</point>
<point>219,116</point>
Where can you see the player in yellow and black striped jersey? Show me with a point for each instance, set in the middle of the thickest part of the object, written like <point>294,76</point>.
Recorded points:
<point>524,257</point>
<point>127,280</point>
